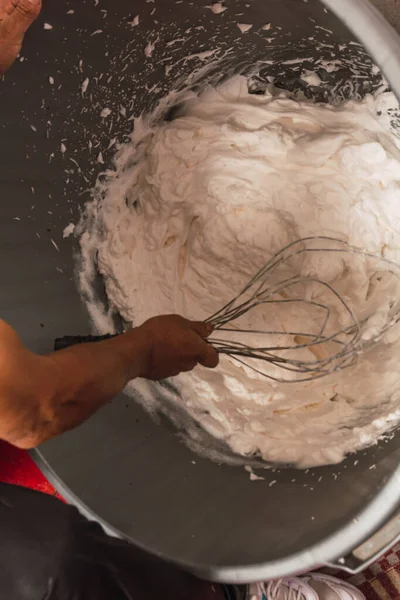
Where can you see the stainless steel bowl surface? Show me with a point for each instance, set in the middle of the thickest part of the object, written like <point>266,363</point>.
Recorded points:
<point>122,468</point>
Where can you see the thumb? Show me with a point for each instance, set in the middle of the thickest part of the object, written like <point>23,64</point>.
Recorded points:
<point>23,15</point>
<point>209,358</point>
<point>203,329</point>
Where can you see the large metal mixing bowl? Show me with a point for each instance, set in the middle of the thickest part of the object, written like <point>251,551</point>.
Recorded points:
<point>133,475</point>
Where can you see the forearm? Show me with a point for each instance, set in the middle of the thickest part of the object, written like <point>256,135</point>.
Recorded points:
<point>63,389</point>
<point>87,376</point>
<point>42,396</point>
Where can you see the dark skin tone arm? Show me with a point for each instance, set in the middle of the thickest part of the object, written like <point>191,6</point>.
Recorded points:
<point>43,396</point>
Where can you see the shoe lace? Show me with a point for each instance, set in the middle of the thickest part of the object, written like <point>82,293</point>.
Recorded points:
<point>271,590</point>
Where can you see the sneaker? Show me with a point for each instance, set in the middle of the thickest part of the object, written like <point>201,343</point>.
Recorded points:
<point>290,588</point>
<point>330,588</point>
<point>314,586</point>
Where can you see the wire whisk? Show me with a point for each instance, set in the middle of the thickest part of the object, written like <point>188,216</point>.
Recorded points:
<point>335,329</point>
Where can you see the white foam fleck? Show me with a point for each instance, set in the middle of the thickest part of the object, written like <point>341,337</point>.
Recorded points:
<point>311,78</point>
<point>254,477</point>
<point>217,8</point>
<point>244,27</point>
<point>85,85</point>
<point>148,51</point>
<point>68,230</point>
<point>55,245</point>
<point>134,22</point>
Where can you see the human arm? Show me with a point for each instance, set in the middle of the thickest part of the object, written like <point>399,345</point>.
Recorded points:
<point>42,396</point>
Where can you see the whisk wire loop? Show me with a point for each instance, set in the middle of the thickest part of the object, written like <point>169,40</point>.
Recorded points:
<point>299,355</point>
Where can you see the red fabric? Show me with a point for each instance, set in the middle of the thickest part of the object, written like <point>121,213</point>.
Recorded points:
<point>381,581</point>
<point>17,467</point>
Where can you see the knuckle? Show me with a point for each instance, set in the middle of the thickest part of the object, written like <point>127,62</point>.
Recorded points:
<point>29,8</point>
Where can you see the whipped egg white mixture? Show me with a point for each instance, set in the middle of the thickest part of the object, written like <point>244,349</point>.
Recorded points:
<point>196,205</point>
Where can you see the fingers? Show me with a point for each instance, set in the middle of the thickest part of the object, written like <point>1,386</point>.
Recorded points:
<point>176,345</point>
<point>15,19</point>
<point>27,10</point>
<point>209,358</point>
<point>189,366</point>
<point>203,329</point>
<point>23,15</point>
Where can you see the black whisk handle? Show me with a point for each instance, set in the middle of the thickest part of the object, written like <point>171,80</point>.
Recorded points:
<point>72,340</point>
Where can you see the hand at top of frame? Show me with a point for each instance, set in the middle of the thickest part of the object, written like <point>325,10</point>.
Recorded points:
<point>16,16</point>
